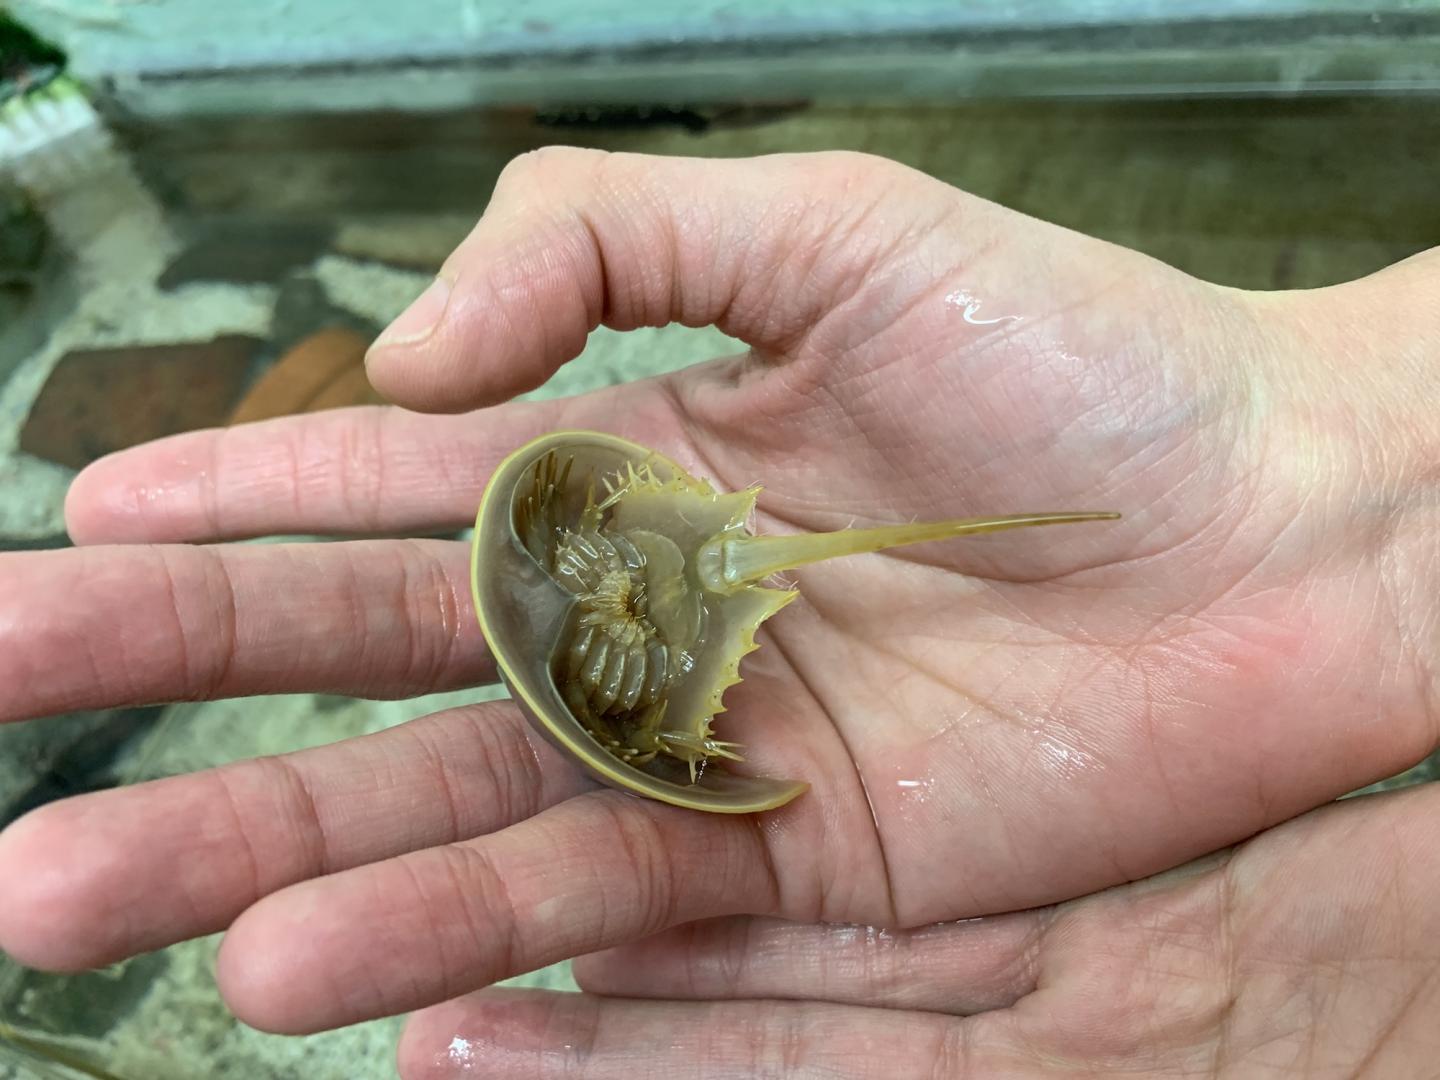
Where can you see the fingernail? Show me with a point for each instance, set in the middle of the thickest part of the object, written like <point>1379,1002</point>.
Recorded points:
<point>419,320</point>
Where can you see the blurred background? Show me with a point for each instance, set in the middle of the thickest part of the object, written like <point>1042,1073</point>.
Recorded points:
<point>208,210</point>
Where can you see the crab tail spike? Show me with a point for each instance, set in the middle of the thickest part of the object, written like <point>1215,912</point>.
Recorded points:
<point>728,562</point>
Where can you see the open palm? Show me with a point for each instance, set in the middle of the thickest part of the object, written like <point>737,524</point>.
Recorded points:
<point>987,724</point>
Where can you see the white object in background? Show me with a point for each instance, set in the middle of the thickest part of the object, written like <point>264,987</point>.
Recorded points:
<point>50,139</point>
<point>58,150</point>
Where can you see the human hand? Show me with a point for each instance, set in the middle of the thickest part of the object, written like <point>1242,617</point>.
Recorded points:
<point>1310,951</point>
<point>988,725</point>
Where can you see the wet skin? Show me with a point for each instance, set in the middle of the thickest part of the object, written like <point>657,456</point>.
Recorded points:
<point>989,727</point>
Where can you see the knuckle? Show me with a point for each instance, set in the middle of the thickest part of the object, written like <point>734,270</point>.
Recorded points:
<point>734,955</point>
<point>425,586</point>
<point>785,1042</point>
<point>544,166</point>
<point>854,169</point>
<point>360,443</point>
<point>486,908</point>
<point>641,847</point>
<point>952,1052</point>
<point>205,638</point>
<point>297,809</point>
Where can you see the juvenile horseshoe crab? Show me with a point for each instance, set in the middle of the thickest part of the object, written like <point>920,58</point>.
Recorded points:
<point>618,594</point>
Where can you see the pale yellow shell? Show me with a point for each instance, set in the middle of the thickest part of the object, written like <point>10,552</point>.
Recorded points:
<point>527,616</point>
<point>619,595</point>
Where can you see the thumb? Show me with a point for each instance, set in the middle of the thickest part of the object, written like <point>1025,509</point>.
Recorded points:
<point>572,239</point>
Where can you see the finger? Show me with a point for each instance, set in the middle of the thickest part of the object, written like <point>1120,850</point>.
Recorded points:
<point>398,935</point>
<point>344,471</point>
<point>958,967</point>
<point>103,627</point>
<point>90,880</point>
<point>576,238</point>
<point>539,1034</point>
<point>369,469</point>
